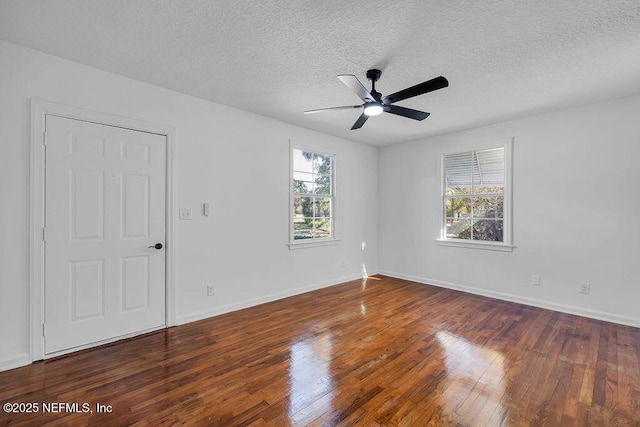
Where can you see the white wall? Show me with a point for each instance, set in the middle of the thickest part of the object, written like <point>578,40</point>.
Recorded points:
<point>235,160</point>
<point>575,212</point>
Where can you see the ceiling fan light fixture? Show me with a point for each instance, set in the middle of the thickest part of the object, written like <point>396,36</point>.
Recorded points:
<point>373,109</point>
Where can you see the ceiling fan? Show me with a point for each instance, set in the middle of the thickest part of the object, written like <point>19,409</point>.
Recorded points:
<point>375,103</point>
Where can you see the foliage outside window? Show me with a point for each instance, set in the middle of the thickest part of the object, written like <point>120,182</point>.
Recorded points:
<point>313,195</point>
<point>474,195</point>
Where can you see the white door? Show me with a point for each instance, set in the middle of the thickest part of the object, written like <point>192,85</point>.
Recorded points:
<point>104,212</point>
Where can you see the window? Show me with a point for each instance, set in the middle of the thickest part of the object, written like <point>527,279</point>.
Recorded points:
<point>475,197</point>
<point>312,196</point>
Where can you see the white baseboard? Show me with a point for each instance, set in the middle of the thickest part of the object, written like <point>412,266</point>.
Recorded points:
<point>181,320</point>
<point>564,308</point>
<point>21,360</point>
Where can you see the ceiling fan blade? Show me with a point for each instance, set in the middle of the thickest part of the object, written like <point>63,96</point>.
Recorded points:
<point>358,124</point>
<point>321,110</point>
<point>407,112</point>
<point>354,84</point>
<point>419,89</point>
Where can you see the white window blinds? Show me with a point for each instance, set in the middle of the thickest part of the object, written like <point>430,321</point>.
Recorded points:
<point>482,168</point>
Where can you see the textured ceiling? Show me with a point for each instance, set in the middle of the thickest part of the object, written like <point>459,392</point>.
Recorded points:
<point>503,59</point>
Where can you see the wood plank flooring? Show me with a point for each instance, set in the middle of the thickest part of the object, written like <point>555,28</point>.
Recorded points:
<point>380,352</point>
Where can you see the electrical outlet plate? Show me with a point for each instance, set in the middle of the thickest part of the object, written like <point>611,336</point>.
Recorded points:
<point>185,214</point>
<point>585,288</point>
<point>210,290</point>
<point>535,280</point>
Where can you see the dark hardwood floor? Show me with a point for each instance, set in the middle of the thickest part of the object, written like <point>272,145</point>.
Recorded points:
<point>381,352</point>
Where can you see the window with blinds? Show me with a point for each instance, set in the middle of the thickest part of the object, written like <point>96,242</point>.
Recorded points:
<point>474,195</point>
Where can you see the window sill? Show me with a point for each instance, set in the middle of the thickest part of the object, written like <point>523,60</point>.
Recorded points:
<point>489,246</point>
<point>312,243</point>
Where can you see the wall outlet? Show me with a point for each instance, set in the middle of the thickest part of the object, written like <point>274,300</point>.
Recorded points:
<point>585,288</point>
<point>210,290</point>
<point>535,280</point>
<point>185,214</point>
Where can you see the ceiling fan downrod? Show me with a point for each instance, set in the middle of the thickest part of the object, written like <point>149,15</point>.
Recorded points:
<point>374,76</point>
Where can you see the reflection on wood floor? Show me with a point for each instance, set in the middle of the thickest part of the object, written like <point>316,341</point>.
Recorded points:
<point>377,352</point>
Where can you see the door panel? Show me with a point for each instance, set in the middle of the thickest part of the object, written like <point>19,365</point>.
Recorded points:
<point>135,282</point>
<point>135,206</point>
<point>87,289</point>
<point>105,205</point>
<point>87,205</point>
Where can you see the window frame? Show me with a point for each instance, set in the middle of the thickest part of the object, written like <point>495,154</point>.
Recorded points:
<point>507,236</point>
<point>312,242</point>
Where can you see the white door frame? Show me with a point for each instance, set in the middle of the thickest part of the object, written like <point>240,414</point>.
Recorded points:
<point>39,110</point>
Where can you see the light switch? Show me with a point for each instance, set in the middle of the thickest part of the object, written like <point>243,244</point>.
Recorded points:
<point>206,208</point>
<point>185,213</point>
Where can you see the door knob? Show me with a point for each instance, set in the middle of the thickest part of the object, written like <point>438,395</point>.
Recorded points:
<point>157,246</point>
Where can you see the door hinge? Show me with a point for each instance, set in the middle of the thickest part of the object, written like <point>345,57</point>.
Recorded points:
<point>44,234</point>
<point>44,138</point>
<point>44,329</point>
